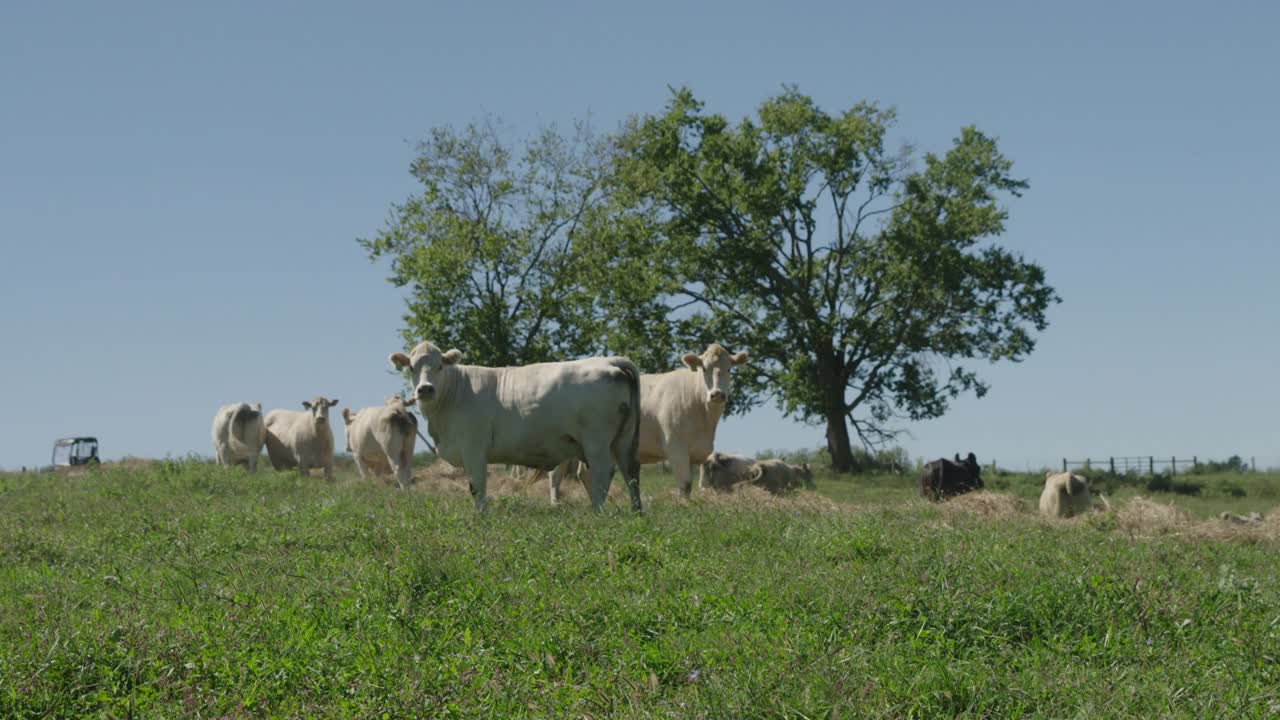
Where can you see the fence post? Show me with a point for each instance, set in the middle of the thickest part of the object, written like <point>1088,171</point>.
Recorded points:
<point>1173,466</point>
<point>1113,466</point>
<point>1254,464</point>
<point>1064,464</point>
<point>1195,462</point>
<point>1151,465</point>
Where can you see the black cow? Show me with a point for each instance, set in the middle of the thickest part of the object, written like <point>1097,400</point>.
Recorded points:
<point>945,478</point>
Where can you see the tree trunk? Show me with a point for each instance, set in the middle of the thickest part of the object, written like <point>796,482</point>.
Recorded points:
<point>838,440</point>
<point>833,387</point>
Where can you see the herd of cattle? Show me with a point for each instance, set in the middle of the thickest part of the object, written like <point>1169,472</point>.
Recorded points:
<point>580,418</point>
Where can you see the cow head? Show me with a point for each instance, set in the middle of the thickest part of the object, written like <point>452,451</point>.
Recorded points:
<point>347,417</point>
<point>395,401</point>
<point>804,473</point>
<point>319,408</point>
<point>427,366</point>
<point>715,364</point>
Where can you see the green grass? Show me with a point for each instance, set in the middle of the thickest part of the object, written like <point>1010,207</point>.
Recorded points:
<point>182,590</point>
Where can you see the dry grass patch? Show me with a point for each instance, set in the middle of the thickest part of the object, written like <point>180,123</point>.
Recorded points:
<point>986,504</point>
<point>441,478</point>
<point>1143,515</point>
<point>745,496</point>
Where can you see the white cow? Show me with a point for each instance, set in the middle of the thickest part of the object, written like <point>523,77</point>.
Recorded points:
<point>1065,494</point>
<point>722,471</point>
<point>380,439</point>
<point>238,434</point>
<point>1252,518</point>
<point>538,415</point>
<point>302,439</point>
<point>779,477</point>
<point>679,413</point>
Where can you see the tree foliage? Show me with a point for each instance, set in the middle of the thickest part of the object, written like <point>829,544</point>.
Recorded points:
<point>861,284</point>
<point>866,282</point>
<point>488,248</point>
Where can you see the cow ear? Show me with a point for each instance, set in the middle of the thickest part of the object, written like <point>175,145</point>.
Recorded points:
<point>306,404</point>
<point>452,357</point>
<point>333,402</point>
<point>346,415</point>
<point>739,358</point>
<point>692,361</point>
<point>399,360</point>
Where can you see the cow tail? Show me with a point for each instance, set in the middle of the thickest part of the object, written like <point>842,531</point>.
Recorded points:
<point>409,424</point>
<point>404,421</point>
<point>240,418</point>
<point>633,384</point>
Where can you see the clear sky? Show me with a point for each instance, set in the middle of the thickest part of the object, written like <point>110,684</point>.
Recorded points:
<point>181,187</point>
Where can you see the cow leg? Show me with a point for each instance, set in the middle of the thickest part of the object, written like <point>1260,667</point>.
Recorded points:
<point>583,475</point>
<point>253,463</point>
<point>556,476</point>
<point>328,471</point>
<point>360,466</point>
<point>678,456</point>
<point>601,477</point>
<point>631,476</point>
<point>479,473</point>
<point>702,476</point>
<point>402,469</point>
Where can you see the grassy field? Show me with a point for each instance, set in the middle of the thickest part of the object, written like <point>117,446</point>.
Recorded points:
<point>183,590</point>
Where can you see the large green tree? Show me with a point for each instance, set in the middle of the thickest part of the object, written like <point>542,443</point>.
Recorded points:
<point>489,247</point>
<point>865,282</point>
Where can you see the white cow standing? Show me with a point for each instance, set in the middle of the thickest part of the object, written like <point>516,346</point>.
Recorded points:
<point>381,439</point>
<point>238,434</point>
<point>302,439</point>
<point>679,413</point>
<point>537,415</point>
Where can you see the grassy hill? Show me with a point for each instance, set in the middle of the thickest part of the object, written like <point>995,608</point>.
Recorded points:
<point>179,589</point>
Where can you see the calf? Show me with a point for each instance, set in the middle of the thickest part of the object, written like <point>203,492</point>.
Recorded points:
<point>302,439</point>
<point>238,434</point>
<point>381,439</point>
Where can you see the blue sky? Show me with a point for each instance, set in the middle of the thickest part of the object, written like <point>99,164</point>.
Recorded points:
<point>181,188</point>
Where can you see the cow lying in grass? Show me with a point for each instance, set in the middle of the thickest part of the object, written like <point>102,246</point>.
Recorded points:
<point>779,477</point>
<point>944,478</point>
<point>722,471</point>
<point>1065,495</point>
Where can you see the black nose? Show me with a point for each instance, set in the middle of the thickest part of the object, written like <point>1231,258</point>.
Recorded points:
<point>717,395</point>
<point>426,391</point>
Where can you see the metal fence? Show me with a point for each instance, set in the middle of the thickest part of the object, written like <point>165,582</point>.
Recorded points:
<point>1139,464</point>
